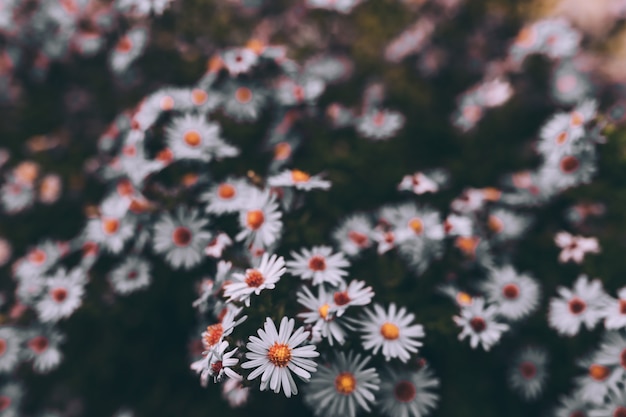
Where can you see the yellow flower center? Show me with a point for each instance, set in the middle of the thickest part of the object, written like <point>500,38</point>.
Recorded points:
<point>299,176</point>
<point>417,225</point>
<point>279,354</point>
<point>323,310</point>
<point>390,331</point>
<point>345,383</point>
<point>192,138</point>
<point>255,219</point>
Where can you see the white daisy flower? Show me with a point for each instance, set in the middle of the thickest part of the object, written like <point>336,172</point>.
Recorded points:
<point>293,92</point>
<point>612,353</point>
<point>181,238</point>
<point>214,334</point>
<point>479,323</point>
<point>527,374</point>
<point>344,387</point>
<point>216,246</point>
<point>418,183</point>
<point>572,406</point>
<point>597,383</point>
<point>411,222</point>
<point>131,275</point>
<point>260,220</point>
<point>42,347</point>
<point>574,248</point>
<point>408,393</point>
<point>379,124</point>
<point>192,137</point>
<point>391,331</point>
<point>321,314</point>
<point>239,60</point>
<point>275,354</point>
<point>582,305</point>
<point>228,196</point>
<point>113,227</point>
<point>254,280</point>
<point>354,234</point>
<point>10,352</point>
<point>63,295</point>
<point>10,399</point>
<point>298,179</point>
<point>455,225</point>
<point>16,196</point>
<point>515,295</point>
<point>38,260</point>
<point>242,101</point>
<point>129,47</point>
<point>353,294</point>
<point>217,365</point>
<point>506,225</point>
<point>614,311</point>
<point>235,393</point>
<point>557,137</point>
<point>319,264</point>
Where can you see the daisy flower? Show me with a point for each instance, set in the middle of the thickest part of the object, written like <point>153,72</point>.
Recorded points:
<point>214,334</point>
<point>10,399</point>
<point>181,238</point>
<point>319,264</point>
<point>128,49</point>
<point>216,246</point>
<point>572,406</point>
<point>527,375</point>
<point>379,124</point>
<point>42,347</point>
<point>239,60</point>
<point>353,294</point>
<point>192,137</point>
<point>408,393</point>
<point>235,393</point>
<point>411,222</point>
<point>612,353</point>
<point>515,295</point>
<point>455,225</point>
<point>344,387</point>
<point>570,85</point>
<point>321,314</point>
<point>353,235</point>
<point>113,227</point>
<point>574,248</point>
<point>242,101</point>
<point>299,180</point>
<point>582,305</point>
<point>217,365</point>
<point>305,89</point>
<point>275,354</point>
<point>131,275</point>
<point>478,322</point>
<point>614,311</point>
<point>63,295</point>
<point>260,220</point>
<point>228,196</point>
<point>10,341</point>
<point>16,196</point>
<point>598,382</point>
<point>616,407</point>
<point>254,280</point>
<point>506,225</point>
<point>391,331</point>
<point>418,183</point>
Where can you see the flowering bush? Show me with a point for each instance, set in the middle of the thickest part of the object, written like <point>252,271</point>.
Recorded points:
<point>328,207</point>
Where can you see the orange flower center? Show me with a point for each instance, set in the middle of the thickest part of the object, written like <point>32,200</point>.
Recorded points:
<point>282,151</point>
<point>317,263</point>
<point>341,298</point>
<point>243,94</point>
<point>255,219</point>
<point>599,372</point>
<point>165,155</point>
<point>495,224</point>
<point>510,291</point>
<point>404,391</point>
<point>254,278</point>
<point>417,225</point>
<point>390,331</point>
<point>463,298</point>
<point>226,191</point>
<point>199,97</point>
<point>299,176</point>
<point>192,138</point>
<point>110,225</point>
<point>577,119</point>
<point>181,236</point>
<point>279,354</point>
<point>561,138</point>
<point>58,294</point>
<point>323,310</point>
<point>345,383</point>
<point>359,238</point>
<point>37,256</point>
<point>213,334</point>
<point>167,103</point>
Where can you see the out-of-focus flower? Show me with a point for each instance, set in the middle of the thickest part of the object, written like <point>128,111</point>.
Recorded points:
<point>408,393</point>
<point>582,305</point>
<point>527,374</point>
<point>479,323</point>
<point>574,248</point>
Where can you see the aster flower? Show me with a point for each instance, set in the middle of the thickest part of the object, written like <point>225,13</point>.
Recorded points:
<point>181,238</point>
<point>343,387</point>
<point>10,398</point>
<point>301,90</point>
<point>582,305</point>
<point>319,264</point>
<point>63,295</point>
<point>129,47</point>
<point>16,196</point>
<point>42,347</point>
<point>598,382</point>
<point>515,295</point>
<point>131,275</point>
<point>379,124</point>
<point>506,225</point>
<point>235,393</point>
<point>572,406</point>
<point>299,180</point>
<point>574,248</point>
<point>353,235</point>
<point>254,280</point>
<point>243,101</point>
<point>229,195</point>
<point>391,331</point>
<point>321,314</point>
<point>616,407</point>
<point>214,334</point>
<point>113,227</point>
<point>408,393</point>
<point>479,323</point>
<point>260,220</point>
<point>527,374</point>
<point>10,352</point>
<point>614,311</point>
<point>274,354</point>
<point>418,183</point>
<point>217,365</point>
<point>612,353</point>
<point>569,84</point>
<point>192,137</point>
<point>353,294</point>
<point>216,246</point>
